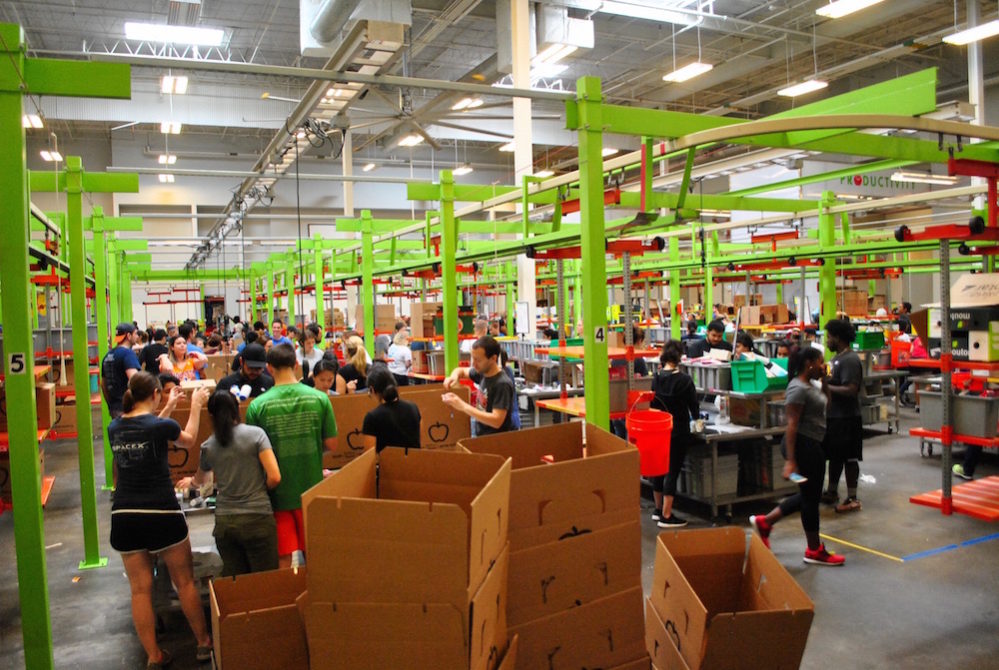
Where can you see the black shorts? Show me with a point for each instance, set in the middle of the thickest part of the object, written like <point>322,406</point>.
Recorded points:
<point>153,530</point>
<point>844,438</point>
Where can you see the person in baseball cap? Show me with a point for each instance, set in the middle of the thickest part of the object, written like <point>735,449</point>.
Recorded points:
<point>253,360</point>
<point>122,331</point>
<point>117,367</point>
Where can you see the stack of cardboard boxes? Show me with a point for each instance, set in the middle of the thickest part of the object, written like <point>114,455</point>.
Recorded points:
<point>384,318</point>
<point>853,301</point>
<point>974,333</point>
<point>46,411</point>
<point>575,591</point>
<point>757,315</point>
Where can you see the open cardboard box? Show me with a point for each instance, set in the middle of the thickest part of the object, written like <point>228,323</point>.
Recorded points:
<point>427,524</point>
<point>255,621</point>
<point>661,642</point>
<point>184,460</point>
<point>605,633</point>
<point>559,488</point>
<point>355,635</point>
<point>729,610</point>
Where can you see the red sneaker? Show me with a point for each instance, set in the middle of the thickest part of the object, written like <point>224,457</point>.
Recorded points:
<point>822,557</point>
<point>762,527</point>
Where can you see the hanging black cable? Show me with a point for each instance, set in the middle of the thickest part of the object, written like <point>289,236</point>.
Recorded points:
<point>298,214</point>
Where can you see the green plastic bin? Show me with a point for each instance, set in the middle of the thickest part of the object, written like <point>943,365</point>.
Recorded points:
<point>870,340</point>
<point>751,377</point>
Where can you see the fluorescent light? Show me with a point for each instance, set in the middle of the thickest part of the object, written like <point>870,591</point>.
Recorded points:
<point>166,178</point>
<point>690,71</point>
<point>507,148</point>
<point>990,29</point>
<point>167,159</point>
<point>32,121</point>
<point>411,140</point>
<point>369,167</point>
<point>840,8</point>
<point>462,170</point>
<point>51,156</point>
<point>170,127</point>
<point>923,178</point>
<point>175,85</point>
<point>161,32</point>
<point>608,151</point>
<point>300,134</point>
<point>466,103</point>
<point>803,88</point>
<point>544,174</point>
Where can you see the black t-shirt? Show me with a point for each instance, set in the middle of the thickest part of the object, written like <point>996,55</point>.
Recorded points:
<point>350,373</point>
<point>149,357</point>
<point>496,392</point>
<point>257,386</point>
<point>394,424</point>
<point>675,393</point>
<point>701,347</point>
<point>141,449</point>
<point>641,367</point>
<point>846,369</point>
<point>114,370</point>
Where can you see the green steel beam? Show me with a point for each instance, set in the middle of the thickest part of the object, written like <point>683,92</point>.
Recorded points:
<point>873,166</point>
<point>19,360</point>
<point>449,271</point>
<point>317,275</point>
<point>83,79</point>
<point>367,281</point>
<point>97,224</point>
<point>93,182</point>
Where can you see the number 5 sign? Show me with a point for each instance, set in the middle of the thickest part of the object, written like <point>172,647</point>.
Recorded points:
<point>17,364</point>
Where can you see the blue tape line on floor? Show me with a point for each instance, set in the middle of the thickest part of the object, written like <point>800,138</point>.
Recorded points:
<point>950,547</point>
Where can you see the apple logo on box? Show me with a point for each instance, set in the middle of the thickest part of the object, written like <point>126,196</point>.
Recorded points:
<point>179,452</point>
<point>355,440</point>
<point>438,432</point>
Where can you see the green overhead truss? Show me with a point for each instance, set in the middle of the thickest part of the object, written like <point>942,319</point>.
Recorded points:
<point>19,76</point>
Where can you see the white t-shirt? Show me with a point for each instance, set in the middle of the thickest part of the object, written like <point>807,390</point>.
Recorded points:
<point>466,346</point>
<point>402,359</point>
<point>313,358</point>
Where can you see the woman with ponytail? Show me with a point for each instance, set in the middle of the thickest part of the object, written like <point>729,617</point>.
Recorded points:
<point>146,519</point>
<point>356,369</point>
<point>242,456</point>
<point>395,422</point>
<point>805,461</point>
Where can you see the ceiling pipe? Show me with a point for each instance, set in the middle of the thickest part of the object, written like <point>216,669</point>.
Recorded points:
<point>331,18</point>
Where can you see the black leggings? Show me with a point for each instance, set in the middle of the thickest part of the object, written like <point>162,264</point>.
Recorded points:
<point>666,484</point>
<point>812,464</point>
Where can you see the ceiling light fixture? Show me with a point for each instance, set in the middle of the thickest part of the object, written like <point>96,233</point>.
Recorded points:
<point>544,174</point>
<point>166,178</point>
<point>160,32</point>
<point>51,156</point>
<point>369,167</point>
<point>803,88</point>
<point>969,35</point>
<point>170,127</point>
<point>411,140</point>
<point>462,170</point>
<point>173,85</point>
<point>840,8</point>
<point>167,159</point>
<point>32,121</point>
<point>688,72</point>
<point>923,178</point>
<point>507,148</point>
<point>467,103</point>
<point>608,151</point>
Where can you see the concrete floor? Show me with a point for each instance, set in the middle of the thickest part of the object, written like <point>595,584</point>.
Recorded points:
<point>938,611</point>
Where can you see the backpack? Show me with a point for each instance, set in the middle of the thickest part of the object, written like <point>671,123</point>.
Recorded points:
<point>108,380</point>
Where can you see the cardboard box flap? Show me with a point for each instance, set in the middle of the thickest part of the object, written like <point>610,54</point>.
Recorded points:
<point>355,480</point>
<point>661,642</point>
<point>765,640</point>
<point>639,664</point>
<point>600,442</point>
<point>488,616</point>
<point>441,426</point>
<point>258,590</point>
<point>388,547</point>
<point>557,576</point>
<point>770,583</point>
<point>975,290</point>
<point>559,442</point>
<point>509,661</point>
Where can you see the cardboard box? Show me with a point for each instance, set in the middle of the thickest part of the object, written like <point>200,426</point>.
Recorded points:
<point>255,620</point>
<point>184,460</point>
<point>428,525</point>
<point>774,314</point>
<point>852,301</point>
<point>639,664</point>
<point>876,302</point>
<point>219,366</point>
<point>5,492</point>
<point>190,387</point>
<point>661,641</point>
<point>983,345</point>
<point>976,318</point>
<point>602,634</point>
<point>66,419</point>
<point>740,300</point>
<point>384,318</point>
<point>559,488</point>
<point>421,318</point>
<point>728,611</point>
<point>750,316</point>
<point>45,404</point>
<point>348,635</point>
<point>558,576</point>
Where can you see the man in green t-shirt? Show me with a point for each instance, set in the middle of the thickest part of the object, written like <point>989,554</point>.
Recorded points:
<point>299,422</point>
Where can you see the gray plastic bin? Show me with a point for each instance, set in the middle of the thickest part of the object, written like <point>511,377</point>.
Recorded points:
<point>973,415</point>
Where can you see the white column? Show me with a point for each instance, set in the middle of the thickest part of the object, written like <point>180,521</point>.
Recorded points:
<point>347,156</point>
<point>976,86</point>
<point>523,155</point>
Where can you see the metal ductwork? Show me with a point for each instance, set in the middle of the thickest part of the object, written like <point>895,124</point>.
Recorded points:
<point>184,12</point>
<point>331,18</point>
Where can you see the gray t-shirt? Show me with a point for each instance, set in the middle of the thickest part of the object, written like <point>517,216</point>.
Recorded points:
<point>239,475</point>
<point>813,415</point>
<point>846,369</point>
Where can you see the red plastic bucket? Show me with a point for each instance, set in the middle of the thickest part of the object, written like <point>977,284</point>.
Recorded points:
<point>650,431</point>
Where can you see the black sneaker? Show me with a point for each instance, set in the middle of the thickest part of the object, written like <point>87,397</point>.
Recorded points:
<point>672,521</point>
<point>657,515</point>
<point>829,498</point>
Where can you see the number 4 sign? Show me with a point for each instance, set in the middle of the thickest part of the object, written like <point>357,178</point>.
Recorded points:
<point>17,364</point>
<point>599,335</point>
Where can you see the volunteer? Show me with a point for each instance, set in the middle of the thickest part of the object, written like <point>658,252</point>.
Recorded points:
<point>151,352</point>
<point>713,339</point>
<point>480,329</point>
<point>252,372</point>
<point>402,357</point>
<point>395,422</point>
<point>277,334</point>
<point>356,369</point>
<point>326,376</point>
<point>496,395</point>
<point>308,353</point>
<point>844,442</point>
<point>183,364</point>
<point>118,366</point>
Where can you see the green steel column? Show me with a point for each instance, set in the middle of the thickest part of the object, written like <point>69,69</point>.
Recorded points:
<point>103,330</point>
<point>709,292</point>
<point>780,297</point>
<point>317,254</point>
<point>270,295</point>
<point>289,285</point>
<point>112,277</point>
<point>593,266</point>
<point>509,277</point>
<point>201,305</point>
<point>449,272</point>
<point>19,362</point>
<point>827,272</point>
<point>675,330</point>
<point>126,293</point>
<point>253,297</point>
<point>367,279</point>
<point>81,368</point>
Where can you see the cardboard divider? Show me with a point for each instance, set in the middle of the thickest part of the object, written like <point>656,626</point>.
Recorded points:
<point>434,520</point>
<point>184,460</point>
<point>661,641</point>
<point>255,621</point>
<point>602,634</point>
<point>218,366</point>
<point>560,488</point>
<point>729,610</point>
<point>639,664</point>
